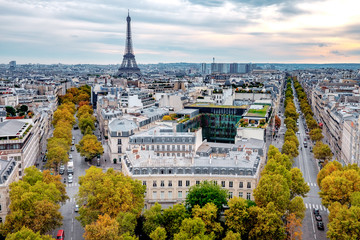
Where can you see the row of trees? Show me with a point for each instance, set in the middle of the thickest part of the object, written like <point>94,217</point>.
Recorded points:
<point>35,203</point>
<point>321,151</point>
<point>340,192</point>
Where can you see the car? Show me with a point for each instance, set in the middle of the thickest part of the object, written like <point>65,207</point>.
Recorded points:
<point>320,225</point>
<point>62,169</point>
<point>72,148</point>
<point>44,158</point>
<point>98,162</point>
<point>70,156</point>
<point>70,178</point>
<point>318,217</point>
<point>316,211</point>
<point>60,235</point>
<point>73,138</point>
<point>76,209</point>
<point>72,142</point>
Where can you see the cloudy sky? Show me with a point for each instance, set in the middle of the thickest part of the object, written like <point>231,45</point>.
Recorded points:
<point>93,31</point>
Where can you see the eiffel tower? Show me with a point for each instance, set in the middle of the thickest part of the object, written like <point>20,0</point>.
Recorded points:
<point>128,66</point>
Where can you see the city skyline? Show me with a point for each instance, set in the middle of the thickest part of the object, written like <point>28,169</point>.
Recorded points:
<point>231,31</point>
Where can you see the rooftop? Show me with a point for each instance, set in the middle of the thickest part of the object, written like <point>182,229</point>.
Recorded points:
<point>13,128</point>
<point>122,125</point>
<point>199,104</point>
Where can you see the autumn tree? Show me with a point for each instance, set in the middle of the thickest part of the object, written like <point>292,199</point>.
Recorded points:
<point>230,235</point>
<point>291,124</point>
<point>272,188</point>
<point>290,149</point>
<point>56,156</point>
<point>206,192</point>
<point>26,234</point>
<point>86,122</point>
<point>338,186</point>
<point>298,185</point>
<point>327,170</point>
<point>293,227</point>
<point>277,122</point>
<point>69,106</point>
<point>58,142</point>
<point>237,216</point>
<point>292,138</point>
<point>316,134</point>
<point>82,97</point>
<point>63,114</point>
<point>158,234</point>
<point>311,123</point>
<point>208,214</point>
<point>153,219</point>
<point>99,191</point>
<point>104,228</point>
<point>266,222</point>
<point>35,202</point>
<point>84,110</point>
<point>322,152</point>
<point>193,229</point>
<point>166,118</point>
<point>89,146</point>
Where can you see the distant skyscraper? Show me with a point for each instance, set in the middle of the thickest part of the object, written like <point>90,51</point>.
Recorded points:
<point>12,65</point>
<point>203,68</point>
<point>128,66</point>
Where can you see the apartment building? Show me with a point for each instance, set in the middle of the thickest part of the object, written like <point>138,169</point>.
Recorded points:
<point>168,178</point>
<point>9,173</point>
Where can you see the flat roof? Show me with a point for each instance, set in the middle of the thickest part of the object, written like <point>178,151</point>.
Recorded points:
<point>211,105</point>
<point>11,128</point>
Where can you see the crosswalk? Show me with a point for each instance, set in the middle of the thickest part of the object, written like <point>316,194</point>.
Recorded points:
<point>312,184</point>
<point>71,200</point>
<point>72,185</point>
<point>316,206</point>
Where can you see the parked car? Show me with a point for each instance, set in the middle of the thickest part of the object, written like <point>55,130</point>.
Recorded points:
<point>76,209</point>
<point>73,138</point>
<point>320,225</point>
<point>72,148</point>
<point>60,235</point>
<point>72,142</point>
<point>70,156</point>
<point>44,158</point>
<point>62,169</point>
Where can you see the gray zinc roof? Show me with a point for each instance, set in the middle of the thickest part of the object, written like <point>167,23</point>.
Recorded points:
<point>10,128</point>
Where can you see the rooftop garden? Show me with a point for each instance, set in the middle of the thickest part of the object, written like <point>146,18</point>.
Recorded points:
<point>258,112</point>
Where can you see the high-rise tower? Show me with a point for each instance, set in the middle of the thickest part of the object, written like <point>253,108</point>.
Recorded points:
<point>128,66</point>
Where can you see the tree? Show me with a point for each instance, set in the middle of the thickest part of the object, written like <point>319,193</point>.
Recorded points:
<point>64,132</point>
<point>266,222</point>
<point>172,219</point>
<point>236,217</point>
<point>23,108</point>
<point>10,111</point>
<point>82,97</point>
<point>280,159</point>
<point>293,227</point>
<point>89,146</point>
<point>84,110</point>
<point>35,202</point>
<point>86,122</point>
<point>58,142</point>
<point>292,138</point>
<point>166,118</point>
<point>193,229</point>
<point>99,191</point>
<point>63,114</point>
<point>322,152</point>
<point>208,214</point>
<point>297,207</point>
<point>344,222</point>
<point>339,186</point>
<point>311,123</point>
<point>327,170</point>
<point>153,219</point>
<point>83,103</point>
<point>230,235</point>
<point>158,234</point>
<point>68,106</point>
<point>206,192</point>
<point>272,188</point>
<point>298,185</point>
<point>88,131</point>
<point>104,228</point>
<point>277,122</point>
<point>290,149</point>
<point>316,134</point>
<point>56,156</point>
<point>127,222</point>
<point>25,233</point>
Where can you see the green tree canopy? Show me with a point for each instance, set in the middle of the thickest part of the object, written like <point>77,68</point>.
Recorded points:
<point>193,229</point>
<point>322,152</point>
<point>206,192</point>
<point>27,234</point>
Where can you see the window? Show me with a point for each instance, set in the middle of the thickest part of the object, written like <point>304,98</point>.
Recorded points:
<point>179,183</point>
<point>162,195</point>
<point>248,196</point>
<point>187,183</point>
<point>170,183</point>
<point>230,194</point>
<point>241,194</point>
<point>197,182</point>
<point>179,194</point>
<point>162,183</point>
<point>119,141</point>
<point>119,149</point>
<point>249,185</point>
<point>154,195</point>
<point>0,219</point>
<point>154,184</point>
<point>170,196</point>
<point>223,183</point>
<point>241,185</point>
<point>231,184</point>
<point>144,183</point>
